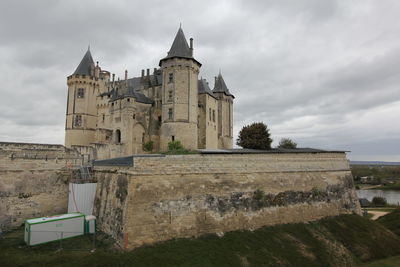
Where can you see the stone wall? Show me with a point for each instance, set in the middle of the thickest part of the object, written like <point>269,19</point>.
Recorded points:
<point>160,198</point>
<point>34,181</point>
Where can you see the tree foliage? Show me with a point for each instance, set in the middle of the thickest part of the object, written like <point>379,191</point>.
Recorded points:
<point>379,201</point>
<point>175,146</point>
<point>254,136</point>
<point>287,143</point>
<point>148,146</point>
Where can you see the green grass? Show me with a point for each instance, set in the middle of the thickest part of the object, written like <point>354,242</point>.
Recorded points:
<point>338,241</point>
<point>388,262</point>
<point>391,221</point>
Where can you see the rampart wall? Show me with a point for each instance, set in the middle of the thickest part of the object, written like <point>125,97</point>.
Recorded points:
<point>160,198</point>
<point>34,181</point>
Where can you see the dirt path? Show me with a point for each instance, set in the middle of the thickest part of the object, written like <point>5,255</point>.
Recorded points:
<point>377,214</point>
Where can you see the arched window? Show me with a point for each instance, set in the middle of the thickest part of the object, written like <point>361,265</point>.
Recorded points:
<point>118,136</point>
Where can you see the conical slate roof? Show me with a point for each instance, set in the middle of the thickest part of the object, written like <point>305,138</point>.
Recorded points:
<point>180,48</point>
<point>87,63</point>
<point>203,87</point>
<point>220,86</point>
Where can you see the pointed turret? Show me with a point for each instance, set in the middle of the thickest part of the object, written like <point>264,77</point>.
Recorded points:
<point>180,94</point>
<point>180,48</point>
<point>86,66</point>
<point>220,86</point>
<point>203,87</point>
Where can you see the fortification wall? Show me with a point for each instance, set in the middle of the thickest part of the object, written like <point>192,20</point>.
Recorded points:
<point>33,181</point>
<point>160,198</point>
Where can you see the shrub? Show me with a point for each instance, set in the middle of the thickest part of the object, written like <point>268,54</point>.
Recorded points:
<point>148,146</point>
<point>379,201</point>
<point>254,136</point>
<point>175,145</point>
<point>287,143</point>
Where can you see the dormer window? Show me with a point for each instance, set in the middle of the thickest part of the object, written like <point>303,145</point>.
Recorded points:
<point>170,78</point>
<point>81,93</point>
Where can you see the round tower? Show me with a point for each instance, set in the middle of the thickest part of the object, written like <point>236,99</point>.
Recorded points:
<point>179,94</point>
<point>225,113</point>
<point>81,114</point>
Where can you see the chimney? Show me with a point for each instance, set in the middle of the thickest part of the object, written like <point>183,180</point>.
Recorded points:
<point>191,46</point>
<point>142,73</point>
<point>148,72</point>
<point>126,78</point>
<point>155,70</point>
<point>113,78</point>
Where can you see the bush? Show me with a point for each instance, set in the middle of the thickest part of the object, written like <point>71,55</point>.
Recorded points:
<point>148,146</point>
<point>254,136</point>
<point>175,145</point>
<point>287,143</point>
<point>379,201</point>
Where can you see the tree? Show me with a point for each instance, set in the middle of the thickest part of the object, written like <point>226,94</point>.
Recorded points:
<point>287,143</point>
<point>379,201</point>
<point>254,136</point>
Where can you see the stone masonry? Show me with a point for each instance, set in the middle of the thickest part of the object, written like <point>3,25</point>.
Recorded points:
<point>33,181</point>
<point>160,198</point>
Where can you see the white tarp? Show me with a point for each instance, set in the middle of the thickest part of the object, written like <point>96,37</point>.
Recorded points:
<point>81,198</point>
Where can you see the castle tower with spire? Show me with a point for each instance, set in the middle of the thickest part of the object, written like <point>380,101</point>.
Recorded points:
<point>81,114</point>
<point>108,118</point>
<point>180,72</point>
<point>225,112</point>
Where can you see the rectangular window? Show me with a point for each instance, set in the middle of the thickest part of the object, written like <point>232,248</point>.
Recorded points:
<point>173,138</point>
<point>78,121</point>
<point>170,113</point>
<point>81,93</point>
<point>213,115</point>
<point>171,78</point>
<point>209,113</point>
<point>104,117</point>
<point>170,95</point>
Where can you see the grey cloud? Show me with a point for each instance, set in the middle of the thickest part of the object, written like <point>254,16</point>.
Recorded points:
<point>308,68</point>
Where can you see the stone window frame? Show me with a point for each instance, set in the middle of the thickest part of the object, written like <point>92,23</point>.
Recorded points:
<point>170,114</point>
<point>170,77</point>
<point>78,121</point>
<point>209,113</point>
<point>118,136</point>
<point>213,115</point>
<point>170,95</point>
<point>80,93</point>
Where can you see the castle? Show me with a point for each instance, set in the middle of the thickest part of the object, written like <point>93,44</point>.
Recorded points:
<point>108,118</point>
<point>146,199</point>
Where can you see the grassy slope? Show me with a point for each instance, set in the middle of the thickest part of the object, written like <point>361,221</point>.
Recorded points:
<point>338,241</point>
<point>391,221</point>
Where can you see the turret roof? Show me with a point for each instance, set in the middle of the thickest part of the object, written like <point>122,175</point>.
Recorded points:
<point>180,48</point>
<point>203,87</point>
<point>87,63</point>
<point>220,86</point>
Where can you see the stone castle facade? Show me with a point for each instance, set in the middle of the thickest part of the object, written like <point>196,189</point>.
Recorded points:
<point>110,118</point>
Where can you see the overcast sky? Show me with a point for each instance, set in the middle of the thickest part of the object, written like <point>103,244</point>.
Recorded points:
<point>323,73</point>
